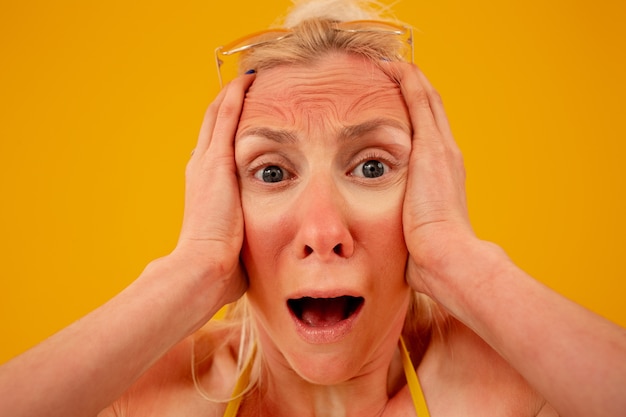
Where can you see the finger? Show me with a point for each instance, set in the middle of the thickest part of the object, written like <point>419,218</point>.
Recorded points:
<point>204,137</point>
<point>441,120</point>
<point>211,114</point>
<point>435,149</point>
<point>417,100</point>
<point>227,117</point>
<point>426,110</point>
<point>436,104</point>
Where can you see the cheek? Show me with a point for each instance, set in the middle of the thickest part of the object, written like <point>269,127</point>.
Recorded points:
<point>381,236</point>
<point>376,226</point>
<point>265,234</point>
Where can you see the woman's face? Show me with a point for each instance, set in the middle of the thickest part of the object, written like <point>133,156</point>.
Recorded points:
<point>322,153</point>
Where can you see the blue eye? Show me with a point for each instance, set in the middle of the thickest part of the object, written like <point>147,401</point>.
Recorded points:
<point>270,173</point>
<point>371,168</point>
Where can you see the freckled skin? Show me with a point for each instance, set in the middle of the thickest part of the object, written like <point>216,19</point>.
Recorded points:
<point>291,227</point>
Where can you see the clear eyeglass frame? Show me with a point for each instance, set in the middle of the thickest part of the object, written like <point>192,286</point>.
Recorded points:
<point>274,35</point>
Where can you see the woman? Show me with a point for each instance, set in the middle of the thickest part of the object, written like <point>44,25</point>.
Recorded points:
<point>326,187</point>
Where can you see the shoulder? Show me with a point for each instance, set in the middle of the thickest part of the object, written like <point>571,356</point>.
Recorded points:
<point>462,375</point>
<point>194,378</point>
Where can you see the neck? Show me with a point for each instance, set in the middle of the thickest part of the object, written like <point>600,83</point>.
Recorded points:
<point>282,392</point>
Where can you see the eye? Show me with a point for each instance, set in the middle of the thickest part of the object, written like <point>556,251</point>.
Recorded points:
<point>371,168</point>
<point>271,173</point>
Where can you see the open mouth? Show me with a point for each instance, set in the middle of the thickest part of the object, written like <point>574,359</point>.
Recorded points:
<point>324,312</point>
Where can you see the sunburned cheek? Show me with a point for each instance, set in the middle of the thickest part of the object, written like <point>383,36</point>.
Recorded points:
<point>381,235</point>
<point>265,234</point>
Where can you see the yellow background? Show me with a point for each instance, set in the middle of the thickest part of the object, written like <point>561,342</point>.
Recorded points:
<point>101,102</point>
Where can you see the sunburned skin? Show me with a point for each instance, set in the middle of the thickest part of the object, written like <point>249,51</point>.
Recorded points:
<point>328,228</point>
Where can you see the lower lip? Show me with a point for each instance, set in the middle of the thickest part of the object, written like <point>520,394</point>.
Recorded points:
<point>326,334</point>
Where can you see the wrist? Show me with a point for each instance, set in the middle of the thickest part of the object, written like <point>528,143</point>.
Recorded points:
<point>467,276</point>
<point>187,286</point>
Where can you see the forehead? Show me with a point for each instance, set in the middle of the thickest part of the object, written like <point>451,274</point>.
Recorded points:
<point>335,91</point>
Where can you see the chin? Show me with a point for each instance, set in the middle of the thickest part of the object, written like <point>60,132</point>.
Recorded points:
<point>328,368</point>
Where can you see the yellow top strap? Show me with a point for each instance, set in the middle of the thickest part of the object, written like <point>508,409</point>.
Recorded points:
<point>419,402</point>
<point>240,386</point>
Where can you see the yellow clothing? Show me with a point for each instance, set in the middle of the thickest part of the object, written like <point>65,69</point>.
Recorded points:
<point>419,402</point>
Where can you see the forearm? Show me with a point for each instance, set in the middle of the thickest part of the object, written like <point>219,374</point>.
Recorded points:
<point>573,357</point>
<point>86,366</point>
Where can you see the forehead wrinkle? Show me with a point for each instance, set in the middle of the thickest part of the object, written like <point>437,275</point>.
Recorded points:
<point>321,88</point>
<point>377,95</point>
<point>337,103</point>
<point>314,102</point>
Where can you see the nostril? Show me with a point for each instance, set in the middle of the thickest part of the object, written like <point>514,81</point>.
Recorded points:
<point>337,250</point>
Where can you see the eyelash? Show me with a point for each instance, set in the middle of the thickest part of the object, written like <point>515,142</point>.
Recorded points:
<point>265,163</point>
<point>375,156</point>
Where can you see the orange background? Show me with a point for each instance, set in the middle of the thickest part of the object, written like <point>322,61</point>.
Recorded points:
<point>102,101</point>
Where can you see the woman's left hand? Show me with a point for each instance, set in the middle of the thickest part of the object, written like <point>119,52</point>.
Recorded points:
<point>555,344</point>
<point>435,218</point>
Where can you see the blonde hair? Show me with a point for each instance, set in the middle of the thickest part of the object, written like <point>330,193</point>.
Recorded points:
<point>340,10</point>
<point>313,36</point>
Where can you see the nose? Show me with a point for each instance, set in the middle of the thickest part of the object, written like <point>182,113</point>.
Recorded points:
<point>323,230</point>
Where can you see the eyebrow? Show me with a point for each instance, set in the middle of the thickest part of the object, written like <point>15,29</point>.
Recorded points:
<point>281,136</point>
<point>355,131</point>
<point>347,133</point>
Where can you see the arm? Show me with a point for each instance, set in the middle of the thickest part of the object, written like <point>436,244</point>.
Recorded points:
<point>85,367</point>
<point>573,357</point>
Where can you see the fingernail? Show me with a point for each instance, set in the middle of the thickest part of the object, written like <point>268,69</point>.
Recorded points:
<point>250,71</point>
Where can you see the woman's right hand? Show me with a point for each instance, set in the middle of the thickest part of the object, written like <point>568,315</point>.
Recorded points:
<point>212,231</point>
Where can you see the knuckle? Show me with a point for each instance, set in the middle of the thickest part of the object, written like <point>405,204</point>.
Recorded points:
<point>227,111</point>
<point>457,156</point>
<point>436,97</point>
<point>189,168</point>
<point>213,108</point>
<point>420,99</point>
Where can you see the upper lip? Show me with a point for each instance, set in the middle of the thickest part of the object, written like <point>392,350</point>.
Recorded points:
<point>323,293</point>
<point>318,292</point>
